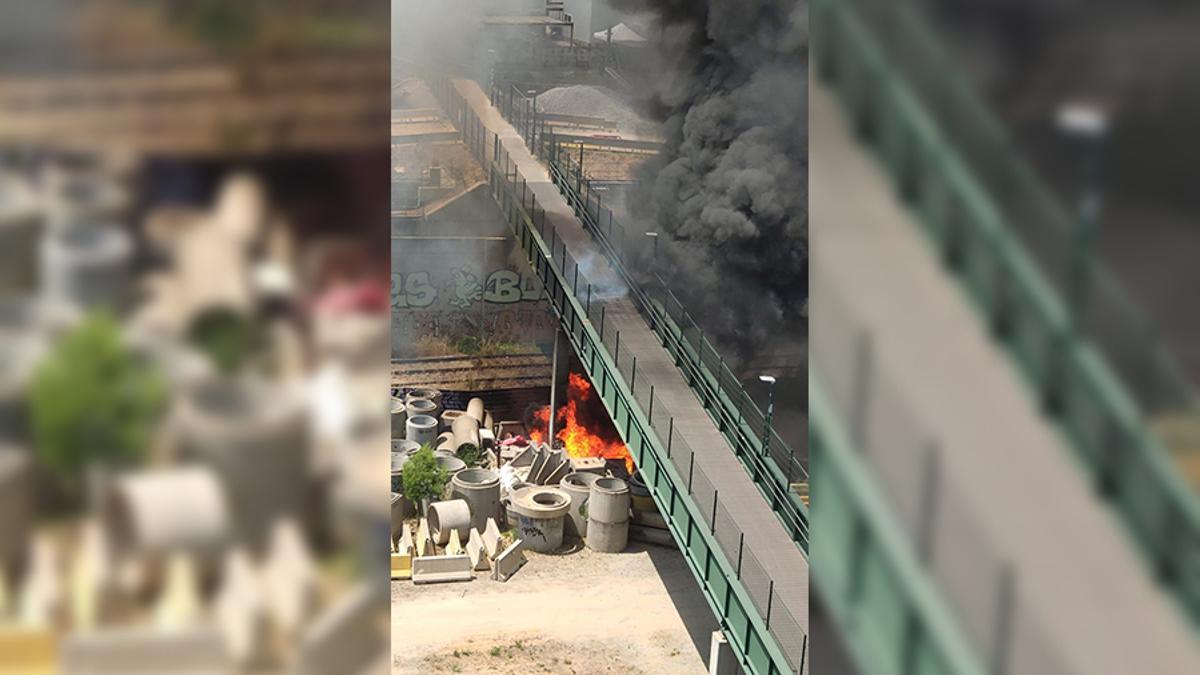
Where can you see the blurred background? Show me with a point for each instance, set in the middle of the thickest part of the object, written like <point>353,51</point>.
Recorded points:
<point>193,320</point>
<point>1002,399</point>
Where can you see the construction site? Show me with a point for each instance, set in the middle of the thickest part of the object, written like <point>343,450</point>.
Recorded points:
<point>581,481</point>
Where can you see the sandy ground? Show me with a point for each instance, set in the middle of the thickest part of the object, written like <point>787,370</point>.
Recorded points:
<point>583,612</point>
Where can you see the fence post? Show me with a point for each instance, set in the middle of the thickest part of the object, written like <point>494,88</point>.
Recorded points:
<point>670,433</point>
<point>741,547</point>
<point>770,597</point>
<point>602,324</point>
<point>650,413</point>
<point>633,375</point>
<point>588,308</point>
<point>713,522</point>
<point>691,470</point>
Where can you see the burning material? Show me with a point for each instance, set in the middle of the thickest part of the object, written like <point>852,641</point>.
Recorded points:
<point>582,425</point>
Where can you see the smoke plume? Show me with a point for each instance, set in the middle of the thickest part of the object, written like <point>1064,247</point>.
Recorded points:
<point>730,190</point>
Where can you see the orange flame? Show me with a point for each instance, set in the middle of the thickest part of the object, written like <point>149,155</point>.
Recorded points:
<point>577,438</point>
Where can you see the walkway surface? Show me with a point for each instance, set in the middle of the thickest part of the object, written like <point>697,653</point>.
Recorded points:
<point>1080,583</point>
<point>765,537</point>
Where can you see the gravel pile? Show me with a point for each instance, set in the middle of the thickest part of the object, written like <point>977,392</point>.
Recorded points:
<point>588,101</point>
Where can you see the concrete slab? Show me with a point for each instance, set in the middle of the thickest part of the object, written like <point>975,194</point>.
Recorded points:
<point>454,547</point>
<point>405,545</point>
<point>134,651</point>
<point>442,568</point>
<point>508,562</point>
<point>402,565</point>
<point>491,538</point>
<point>588,464</point>
<point>477,551</point>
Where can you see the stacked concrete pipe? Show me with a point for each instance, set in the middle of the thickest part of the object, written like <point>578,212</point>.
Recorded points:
<point>579,487</point>
<point>540,513</point>
<point>399,417</point>
<point>480,488</point>
<point>425,393</point>
<point>608,515</point>
<point>445,516</point>
<point>422,406</point>
<point>254,434</point>
<point>422,429</point>
<point>168,511</point>
<point>448,417</point>
<point>451,464</point>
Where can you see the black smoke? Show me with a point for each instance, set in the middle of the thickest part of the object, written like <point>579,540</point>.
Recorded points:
<point>731,189</point>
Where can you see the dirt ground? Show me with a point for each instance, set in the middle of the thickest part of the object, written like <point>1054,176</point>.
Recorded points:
<point>637,612</point>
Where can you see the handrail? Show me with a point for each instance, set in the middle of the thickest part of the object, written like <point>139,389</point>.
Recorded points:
<point>776,469</point>
<point>931,133</point>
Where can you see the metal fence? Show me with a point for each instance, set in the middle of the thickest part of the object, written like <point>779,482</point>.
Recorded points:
<point>996,226</point>
<point>939,522</point>
<point>778,465</point>
<point>713,541</point>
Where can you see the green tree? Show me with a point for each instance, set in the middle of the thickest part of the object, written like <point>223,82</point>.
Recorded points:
<point>93,401</point>
<point>423,478</point>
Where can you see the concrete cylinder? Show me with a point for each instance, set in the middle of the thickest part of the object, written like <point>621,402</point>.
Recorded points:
<point>540,514</point>
<point>399,417</point>
<point>422,406</point>
<point>608,537</point>
<point>488,422</point>
<point>255,435</point>
<point>405,446</point>
<point>446,516</point>
<point>87,266</point>
<point>480,488</point>
<point>475,409</point>
<point>167,511</point>
<point>426,393</point>
<point>422,429</point>
<point>448,417</point>
<point>639,494</point>
<point>578,486</point>
<point>466,431</point>
<point>451,464</point>
<point>445,441</point>
<point>608,501</point>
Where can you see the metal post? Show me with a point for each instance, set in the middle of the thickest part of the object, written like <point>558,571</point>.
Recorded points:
<point>633,375</point>
<point>670,434</point>
<point>602,324</point>
<point>770,597</point>
<point>713,522</point>
<point>588,307</point>
<point>650,413</point>
<point>741,547</point>
<point>766,437</point>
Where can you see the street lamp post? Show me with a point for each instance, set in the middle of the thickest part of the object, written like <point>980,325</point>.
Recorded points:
<point>1087,125</point>
<point>766,439</point>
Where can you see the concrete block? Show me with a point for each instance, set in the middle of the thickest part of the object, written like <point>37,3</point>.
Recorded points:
<point>405,545</point>
<point>487,439</point>
<point>402,564</point>
<point>241,612</point>
<point>442,568</point>
<point>424,543</point>
<point>477,551</point>
<point>508,562</point>
<point>491,538</point>
<point>290,578</point>
<point>454,546</point>
<point>556,476</point>
<point>348,637</point>
<point>28,651</point>
<point>197,650</point>
<point>594,465</point>
<point>538,461</point>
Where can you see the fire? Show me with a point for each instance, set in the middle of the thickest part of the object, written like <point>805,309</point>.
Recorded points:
<point>578,426</point>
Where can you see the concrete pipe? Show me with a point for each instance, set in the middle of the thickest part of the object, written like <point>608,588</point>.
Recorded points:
<point>608,501</point>
<point>578,486</point>
<point>540,514</point>
<point>431,394</point>
<point>448,417</point>
<point>421,429</point>
<point>475,409</point>
<point>405,446</point>
<point>87,267</point>
<point>451,464</point>
<point>607,537</point>
<point>168,511</point>
<point>480,488</point>
<point>399,417</point>
<point>399,459</point>
<point>466,431</point>
<point>445,441</point>
<point>256,437</point>
<point>639,494</point>
<point>488,422</point>
<point>510,516</point>
<point>422,406</point>
<point>446,516</point>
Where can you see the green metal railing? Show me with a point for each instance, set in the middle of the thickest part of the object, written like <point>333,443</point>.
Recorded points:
<point>888,612</point>
<point>762,630</point>
<point>777,468</point>
<point>995,224</point>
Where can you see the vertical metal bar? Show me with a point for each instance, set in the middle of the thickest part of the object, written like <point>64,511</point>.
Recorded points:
<point>588,306</point>
<point>741,547</point>
<point>602,324</point>
<point>670,433</point>
<point>650,413</point>
<point>691,470</point>
<point>713,522</point>
<point>770,598</point>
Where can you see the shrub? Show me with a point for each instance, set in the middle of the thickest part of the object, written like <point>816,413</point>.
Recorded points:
<point>228,338</point>
<point>423,478</point>
<point>93,401</point>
